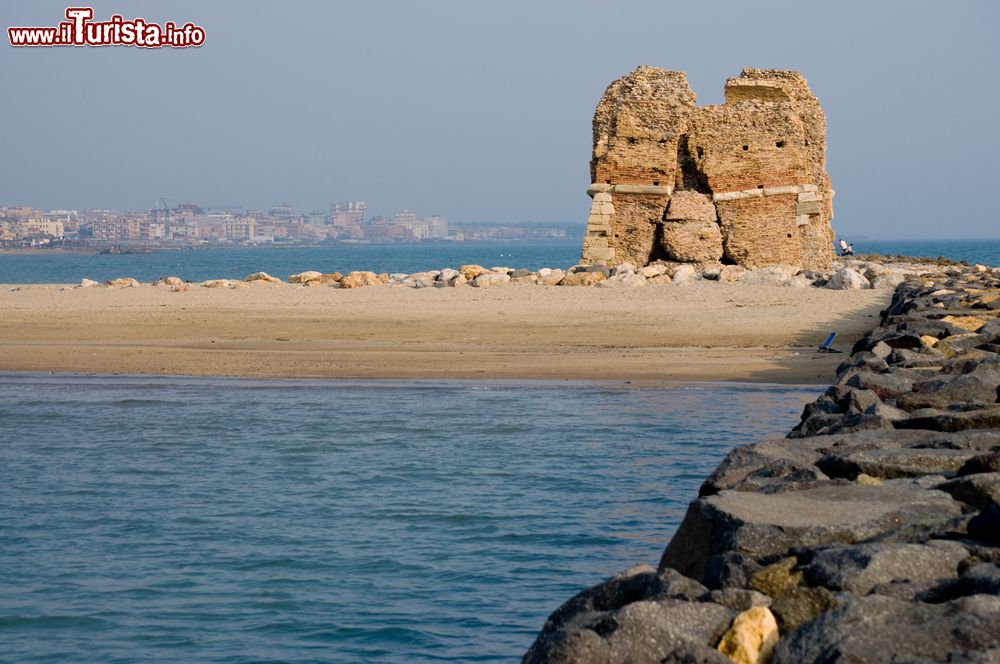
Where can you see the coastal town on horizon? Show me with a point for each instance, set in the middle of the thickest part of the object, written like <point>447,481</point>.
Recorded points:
<point>191,224</point>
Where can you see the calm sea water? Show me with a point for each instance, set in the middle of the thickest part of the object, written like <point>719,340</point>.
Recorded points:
<point>212,520</point>
<point>202,264</point>
<point>986,252</point>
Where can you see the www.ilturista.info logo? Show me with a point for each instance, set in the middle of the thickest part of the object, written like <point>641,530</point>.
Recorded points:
<point>79,30</point>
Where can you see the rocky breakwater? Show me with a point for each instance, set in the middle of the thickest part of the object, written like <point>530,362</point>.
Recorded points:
<point>866,272</point>
<point>851,274</point>
<point>870,534</point>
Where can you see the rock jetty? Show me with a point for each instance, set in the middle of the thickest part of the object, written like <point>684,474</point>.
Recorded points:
<point>744,182</point>
<point>870,534</point>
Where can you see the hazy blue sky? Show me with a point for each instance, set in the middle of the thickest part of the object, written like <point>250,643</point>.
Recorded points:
<point>481,111</point>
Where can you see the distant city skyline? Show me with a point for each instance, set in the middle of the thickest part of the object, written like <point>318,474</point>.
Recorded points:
<point>190,225</point>
<point>481,111</point>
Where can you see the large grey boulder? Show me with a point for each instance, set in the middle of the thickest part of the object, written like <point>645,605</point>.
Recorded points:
<point>488,279</point>
<point>773,275</point>
<point>683,274</point>
<point>939,420</point>
<point>636,616</point>
<point>893,463</point>
<point>624,280</point>
<point>978,388</point>
<point>847,279</point>
<point>876,629</point>
<point>977,490</point>
<point>860,568</point>
<point>756,525</point>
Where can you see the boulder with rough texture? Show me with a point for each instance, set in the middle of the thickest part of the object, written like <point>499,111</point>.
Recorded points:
<point>752,637</point>
<point>550,277</point>
<point>800,605</point>
<point>691,241</point>
<point>263,277</point>
<point>654,270</point>
<point>446,275</point>
<point>976,490</point>
<point>626,280</point>
<point>88,283</point>
<point>169,281</point>
<point>470,272</point>
<point>122,282</point>
<point>847,279</point>
<point>880,629</point>
<point>859,569</point>
<point>488,279</point>
<point>361,279</point>
<point>622,268</point>
<point>683,274</point>
<point>582,279</point>
<point>305,277</point>
<point>774,275</point>
<point>732,273</point>
<point>758,525</point>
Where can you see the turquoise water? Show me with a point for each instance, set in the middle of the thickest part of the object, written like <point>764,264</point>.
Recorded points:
<point>202,264</point>
<point>986,252</point>
<point>211,520</point>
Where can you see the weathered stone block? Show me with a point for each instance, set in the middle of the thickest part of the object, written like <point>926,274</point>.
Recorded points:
<point>757,232</point>
<point>633,226</point>
<point>691,241</point>
<point>810,207</point>
<point>691,206</point>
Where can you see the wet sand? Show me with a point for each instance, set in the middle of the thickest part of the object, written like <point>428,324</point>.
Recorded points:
<point>704,331</point>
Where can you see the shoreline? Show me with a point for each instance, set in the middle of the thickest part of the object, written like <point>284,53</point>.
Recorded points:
<point>702,331</point>
<point>499,383</point>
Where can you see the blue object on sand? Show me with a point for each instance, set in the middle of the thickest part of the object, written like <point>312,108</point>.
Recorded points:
<point>825,348</point>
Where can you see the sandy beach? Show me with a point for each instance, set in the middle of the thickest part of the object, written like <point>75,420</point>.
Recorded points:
<point>702,331</point>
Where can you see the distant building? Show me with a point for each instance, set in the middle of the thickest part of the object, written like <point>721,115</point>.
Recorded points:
<point>406,218</point>
<point>438,227</point>
<point>316,219</point>
<point>348,214</point>
<point>381,229</point>
<point>240,229</point>
<point>188,209</point>
<point>41,226</point>
<point>117,228</point>
<point>283,212</point>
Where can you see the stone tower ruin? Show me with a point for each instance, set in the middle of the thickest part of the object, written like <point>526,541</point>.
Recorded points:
<point>743,183</point>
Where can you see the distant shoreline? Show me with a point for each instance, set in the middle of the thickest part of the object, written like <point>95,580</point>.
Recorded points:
<point>150,249</point>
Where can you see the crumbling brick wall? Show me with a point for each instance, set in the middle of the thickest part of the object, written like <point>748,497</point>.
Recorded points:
<point>660,163</point>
